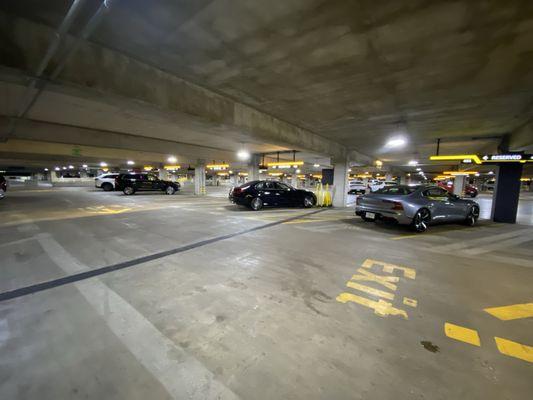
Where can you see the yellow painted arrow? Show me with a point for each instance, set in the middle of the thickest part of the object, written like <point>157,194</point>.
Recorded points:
<point>514,311</point>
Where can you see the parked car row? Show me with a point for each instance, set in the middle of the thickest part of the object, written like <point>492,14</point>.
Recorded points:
<point>133,182</point>
<point>418,206</point>
<point>360,187</point>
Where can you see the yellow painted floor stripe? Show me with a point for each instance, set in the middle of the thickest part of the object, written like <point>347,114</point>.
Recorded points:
<point>514,349</point>
<point>462,334</point>
<point>514,311</point>
<point>369,290</point>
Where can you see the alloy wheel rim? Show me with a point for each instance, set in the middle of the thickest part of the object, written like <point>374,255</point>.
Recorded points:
<point>420,220</point>
<point>255,204</point>
<point>308,201</point>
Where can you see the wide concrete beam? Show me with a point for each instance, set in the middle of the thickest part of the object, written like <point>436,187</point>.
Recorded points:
<point>522,138</point>
<point>82,153</point>
<point>25,129</point>
<point>113,73</point>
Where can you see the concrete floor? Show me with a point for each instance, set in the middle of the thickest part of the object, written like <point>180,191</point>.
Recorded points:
<point>253,316</point>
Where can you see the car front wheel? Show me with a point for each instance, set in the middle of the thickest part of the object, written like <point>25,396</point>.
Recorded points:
<point>170,190</point>
<point>128,190</point>
<point>421,220</point>
<point>256,204</point>
<point>309,201</point>
<point>107,187</point>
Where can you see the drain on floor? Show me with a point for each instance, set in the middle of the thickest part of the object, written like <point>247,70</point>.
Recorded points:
<point>430,346</point>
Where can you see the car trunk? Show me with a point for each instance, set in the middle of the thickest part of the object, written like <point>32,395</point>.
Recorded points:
<point>381,202</point>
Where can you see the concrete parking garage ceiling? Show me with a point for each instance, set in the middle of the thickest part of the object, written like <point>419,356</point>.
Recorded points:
<point>354,72</point>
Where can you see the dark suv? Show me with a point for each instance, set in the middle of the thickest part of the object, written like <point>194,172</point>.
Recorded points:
<point>133,182</point>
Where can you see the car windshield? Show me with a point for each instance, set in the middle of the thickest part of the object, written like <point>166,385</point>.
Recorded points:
<point>397,190</point>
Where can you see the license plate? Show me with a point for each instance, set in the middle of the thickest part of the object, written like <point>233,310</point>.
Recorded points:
<point>370,215</point>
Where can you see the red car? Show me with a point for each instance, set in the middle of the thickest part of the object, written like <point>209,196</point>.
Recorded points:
<point>470,190</point>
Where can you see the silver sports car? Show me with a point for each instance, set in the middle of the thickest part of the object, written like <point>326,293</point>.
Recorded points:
<point>418,206</point>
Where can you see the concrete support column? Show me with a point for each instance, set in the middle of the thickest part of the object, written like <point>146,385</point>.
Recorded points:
<point>459,185</point>
<point>506,192</point>
<point>163,174</point>
<point>54,177</point>
<point>388,176</point>
<point>253,167</point>
<point>340,180</point>
<point>403,179</point>
<point>294,180</point>
<point>199,178</point>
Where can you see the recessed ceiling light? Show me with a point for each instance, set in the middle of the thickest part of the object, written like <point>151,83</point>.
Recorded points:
<point>396,142</point>
<point>172,159</point>
<point>243,155</point>
<point>413,162</point>
<point>130,162</point>
<point>316,165</point>
<point>84,166</point>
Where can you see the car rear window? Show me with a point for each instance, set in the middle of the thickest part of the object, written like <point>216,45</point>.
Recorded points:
<point>396,190</point>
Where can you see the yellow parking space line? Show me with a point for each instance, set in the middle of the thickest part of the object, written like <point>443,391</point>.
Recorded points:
<point>369,290</point>
<point>462,334</point>
<point>514,311</point>
<point>514,349</point>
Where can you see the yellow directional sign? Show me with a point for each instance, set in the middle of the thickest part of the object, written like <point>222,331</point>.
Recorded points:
<point>514,311</point>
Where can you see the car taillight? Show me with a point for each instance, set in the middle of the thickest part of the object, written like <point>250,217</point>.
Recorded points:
<point>236,190</point>
<point>396,205</point>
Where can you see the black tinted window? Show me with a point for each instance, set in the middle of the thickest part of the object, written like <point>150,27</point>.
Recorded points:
<point>282,186</point>
<point>436,192</point>
<point>396,190</point>
<point>259,186</point>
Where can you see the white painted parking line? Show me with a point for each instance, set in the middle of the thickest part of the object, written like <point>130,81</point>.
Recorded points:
<point>182,375</point>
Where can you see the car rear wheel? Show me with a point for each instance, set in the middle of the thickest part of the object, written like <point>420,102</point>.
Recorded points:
<point>421,220</point>
<point>256,204</point>
<point>472,216</point>
<point>170,190</point>
<point>309,201</point>
<point>107,187</point>
<point>128,190</point>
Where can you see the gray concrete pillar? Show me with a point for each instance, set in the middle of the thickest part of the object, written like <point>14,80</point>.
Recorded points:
<point>388,176</point>
<point>340,180</point>
<point>199,178</point>
<point>403,179</point>
<point>459,185</point>
<point>253,167</point>
<point>163,174</point>
<point>294,180</point>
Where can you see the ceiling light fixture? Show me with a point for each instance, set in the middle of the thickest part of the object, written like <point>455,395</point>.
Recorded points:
<point>316,165</point>
<point>130,162</point>
<point>413,163</point>
<point>85,166</point>
<point>396,142</point>
<point>172,159</point>
<point>103,164</point>
<point>243,155</point>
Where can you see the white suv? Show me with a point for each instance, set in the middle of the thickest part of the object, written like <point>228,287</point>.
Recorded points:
<point>105,181</point>
<point>377,184</point>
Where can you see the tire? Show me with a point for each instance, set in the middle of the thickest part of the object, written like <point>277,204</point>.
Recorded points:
<point>472,216</point>
<point>128,190</point>
<point>107,187</point>
<point>256,204</point>
<point>170,190</point>
<point>472,195</point>
<point>309,201</point>
<point>421,220</point>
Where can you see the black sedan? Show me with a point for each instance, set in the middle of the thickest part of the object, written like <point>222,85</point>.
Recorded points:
<point>257,194</point>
